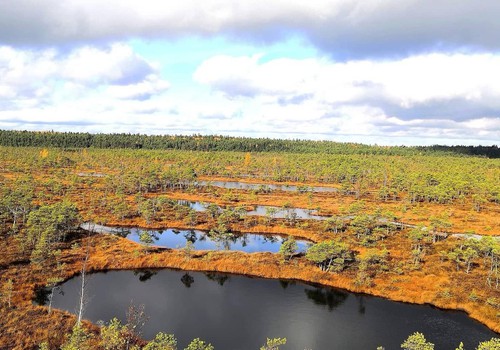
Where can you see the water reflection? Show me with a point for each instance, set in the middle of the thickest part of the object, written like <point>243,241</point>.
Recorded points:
<point>265,188</point>
<point>191,236</point>
<point>187,280</point>
<point>242,313</point>
<point>42,295</point>
<point>217,277</point>
<point>145,275</point>
<point>285,213</point>
<point>260,210</point>
<point>331,298</point>
<point>361,304</point>
<point>285,283</point>
<point>201,240</point>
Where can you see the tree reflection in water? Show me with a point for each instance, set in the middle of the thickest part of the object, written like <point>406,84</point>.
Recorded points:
<point>41,296</point>
<point>217,277</point>
<point>122,231</point>
<point>329,297</point>
<point>145,275</point>
<point>285,283</point>
<point>361,304</point>
<point>187,280</point>
<point>191,236</point>
<point>244,240</point>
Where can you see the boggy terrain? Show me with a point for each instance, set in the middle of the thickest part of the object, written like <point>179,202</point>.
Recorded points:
<point>388,229</point>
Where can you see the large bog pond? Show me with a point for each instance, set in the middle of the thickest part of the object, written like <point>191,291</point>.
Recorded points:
<point>236,312</point>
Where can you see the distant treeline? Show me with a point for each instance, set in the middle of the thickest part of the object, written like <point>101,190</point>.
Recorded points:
<point>16,138</point>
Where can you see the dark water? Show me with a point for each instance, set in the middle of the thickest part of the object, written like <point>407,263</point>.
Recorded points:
<point>237,185</point>
<point>173,238</point>
<point>236,312</point>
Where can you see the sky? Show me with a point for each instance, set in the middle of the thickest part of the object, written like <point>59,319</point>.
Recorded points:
<point>387,72</point>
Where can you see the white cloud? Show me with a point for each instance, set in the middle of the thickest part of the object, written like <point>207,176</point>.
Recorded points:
<point>407,83</point>
<point>48,74</point>
<point>118,64</point>
<point>151,85</point>
<point>22,72</point>
<point>435,94</point>
<point>85,87</point>
<point>247,77</point>
<point>341,27</point>
<point>452,98</point>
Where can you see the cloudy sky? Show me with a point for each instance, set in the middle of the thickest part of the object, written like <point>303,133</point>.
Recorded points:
<point>378,71</point>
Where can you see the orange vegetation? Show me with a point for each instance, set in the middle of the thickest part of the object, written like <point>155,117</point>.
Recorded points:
<point>436,283</point>
<point>23,325</point>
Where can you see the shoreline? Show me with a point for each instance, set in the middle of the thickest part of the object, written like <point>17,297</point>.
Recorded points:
<point>268,266</point>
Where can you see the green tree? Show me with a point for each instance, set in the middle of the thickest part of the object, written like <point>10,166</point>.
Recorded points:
<point>273,344</point>
<point>335,224</point>
<point>188,249</point>
<point>198,344</point>
<point>418,237</point>
<point>77,339</point>
<point>213,210</point>
<point>288,248</point>
<point>120,207</point>
<point>291,216</point>
<point>146,238</point>
<point>417,341</point>
<point>492,344</point>
<point>149,208</point>
<point>330,255</point>
<point>112,335</point>
<point>191,218</point>
<point>464,253</point>
<point>362,226</point>
<point>16,201</point>
<point>478,201</point>
<point>373,261</point>
<point>221,235</point>
<point>48,225</point>
<point>438,226</point>
<point>162,341</point>
<point>356,207</point>
<point>490,250</point>
<point>271,213</point>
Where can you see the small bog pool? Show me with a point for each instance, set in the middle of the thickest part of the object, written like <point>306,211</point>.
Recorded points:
<point>238,185</point>
<point>201,240</point>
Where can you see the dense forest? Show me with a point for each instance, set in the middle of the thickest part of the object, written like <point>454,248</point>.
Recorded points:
<point>224,143</point>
